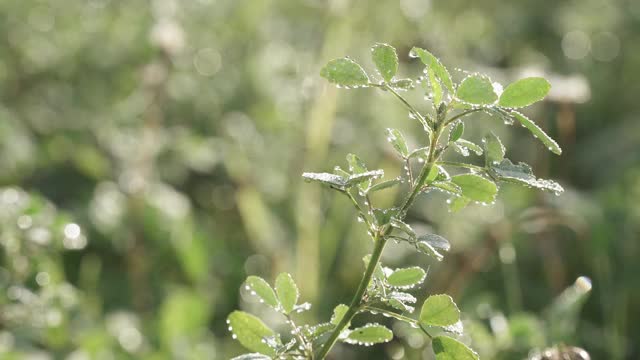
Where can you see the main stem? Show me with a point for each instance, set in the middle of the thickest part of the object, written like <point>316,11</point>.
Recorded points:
<point>379,243</point>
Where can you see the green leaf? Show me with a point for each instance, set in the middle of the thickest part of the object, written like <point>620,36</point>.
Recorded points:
<point>369,334</point>
<point>477,188</point>
<point>447,186</point>
<point>338,313</point>
<point>537,132</point>
<point>356,165</point>
<point>383,216</point>
<point>432,175</point>
<point>263,290</point>
<point>523,175</point>
<point>477,90</point>
<point>399,143</point>
<point>287,292</point>
<point>524,92</point>
<point>439,310</point>
<point>402,226</point>
<point>254,356</point>
<point>436,241</point>
<point>447,348</point>
<point>493,149</point>
<point>426,248</point>
<point>458,203</point>
<point>433,63</point>
<point>363,180</point>
<point>457,129</point>
<point>345,72</point>
<point>463,146</point>
<point>386,60</point>
<point>406,277</point>
<point>436,88</point>
<point>402,84</point>
<point>332,180</point>
<point>385,184</point>
<point>249,330</point>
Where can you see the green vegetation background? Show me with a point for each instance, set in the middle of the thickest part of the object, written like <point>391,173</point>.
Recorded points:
<point>151,152</point>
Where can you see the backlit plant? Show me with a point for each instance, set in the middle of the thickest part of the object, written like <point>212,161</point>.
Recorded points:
<point>383,290</point>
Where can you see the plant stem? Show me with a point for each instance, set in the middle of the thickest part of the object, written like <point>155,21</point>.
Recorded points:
<point>354,307</point>
<point>426,121</point>
<point>380,241</point>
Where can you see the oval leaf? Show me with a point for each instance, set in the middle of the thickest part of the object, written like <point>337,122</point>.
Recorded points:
<point>447,348</point>
<point>328,179</point>
<point>287,292</point>
<point>338,313</point>
<point>345,72</point>
<point>456,131</point>
<point>477,90</point>
<point>439,310</point>
<point>432,62</point>
<point>262,289</point>
<point>254,356</point>
<point>493,149</point>
<point>386,60</point>
<point>524,92</point>
<point>399,143</point>
<point>475,187</point>
<point>406,277</point>
<point>249,330</point>
<point>369,334</point>
<point>538,133</point>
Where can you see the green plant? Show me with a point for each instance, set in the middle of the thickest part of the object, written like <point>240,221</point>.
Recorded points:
<point>383,290</point>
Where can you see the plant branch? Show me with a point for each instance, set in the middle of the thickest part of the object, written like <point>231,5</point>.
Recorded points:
<point>397,316</point>
<point>462,165</point>
<point>464,113</point>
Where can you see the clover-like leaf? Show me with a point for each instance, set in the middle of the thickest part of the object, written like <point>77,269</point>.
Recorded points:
<point>369,334</point>
<point>475,187</point>
<point>493,149</point>
<point>458,203</point>
<point>524,92</point>
<point>477,90</point>
<point>287,292</point>
<point>439,310</point>
<point>250,332</point>
<point>263,290</point>
<point>398,142</point>
<point>537,132</point>
<point>448,187</point>
<point>447,348</point>
<point>345,72</point>
<point>406,277</point>
<point>433,63</point>
<point>463,147</point>
<point>404,227</point>
<point>436,88</point>
<point>435,241</point>
<point>386,60</point>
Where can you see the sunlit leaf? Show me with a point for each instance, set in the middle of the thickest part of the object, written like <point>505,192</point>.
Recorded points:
<point>439,310</point>
<point>436,241</point>
<point>524,92</point>
<point>433,63</point>
<point>250,332</point>
<point>523,175</point>
<point>436,88</point>
<point>363,180</point>
<point>345,72</point>
<point>463,146</point>
<point>383,216</point>
<point>458,203</point>
<point>477,90</point>
<point>399,143</point>
<point>369,334</point>
<point>402,226</point>
<point>475,187</point>
<point>447,348</point>
<point>338,313</point>
<point>493,149</point>
<point>537,132</point>
<point>386,60</point>
<point>263,290</point>
<point>328,179</point>
<point>287,292</point>
<point>447,186</point>
<point>406,277</point>
<point>402,84</point>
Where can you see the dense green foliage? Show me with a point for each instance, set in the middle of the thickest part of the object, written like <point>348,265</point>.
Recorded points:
<point>151,153</point>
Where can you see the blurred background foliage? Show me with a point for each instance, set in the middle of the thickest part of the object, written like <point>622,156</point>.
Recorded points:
<point>151,152</point>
